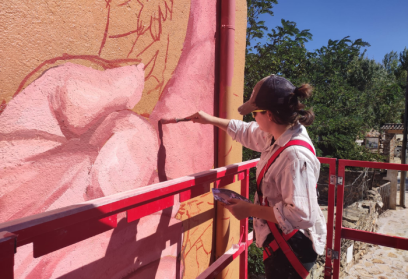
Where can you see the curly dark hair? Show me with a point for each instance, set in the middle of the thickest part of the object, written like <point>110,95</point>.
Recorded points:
<point>294,110</point>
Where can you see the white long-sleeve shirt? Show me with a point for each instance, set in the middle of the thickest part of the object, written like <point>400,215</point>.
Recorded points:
<point>289,184</point>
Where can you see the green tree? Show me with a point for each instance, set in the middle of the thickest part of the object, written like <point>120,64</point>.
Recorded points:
<point>331,62</point>
<point>401,73</point>
<point>390,62</point>
<point>396,66</point>
<point>256,27</point>
<point>353,94</point>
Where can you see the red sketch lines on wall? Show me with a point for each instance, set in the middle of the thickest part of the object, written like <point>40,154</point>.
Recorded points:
<point>150,66</point>
<point>104,63</point>
<point>228,151</point>
<point>3,106</point>
<point>198,241</point>
<point>124,3</point>
<point>226,273</point>
<point>148,43</point>
<point>196,244</point>
<point>150,18</point>
<point>106,28</point>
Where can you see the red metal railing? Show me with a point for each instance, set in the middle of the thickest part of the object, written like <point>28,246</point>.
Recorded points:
<point>87,219</point>
<point>82,221</point>
<point>330,214</point>
<point>358,235</point>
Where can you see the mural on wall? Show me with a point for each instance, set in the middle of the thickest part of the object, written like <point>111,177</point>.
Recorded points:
<point>83,86</point>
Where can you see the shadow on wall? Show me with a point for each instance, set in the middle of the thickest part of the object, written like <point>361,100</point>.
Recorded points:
<point>140,257</point>
<point>131,250</point>
<point>161,155</point>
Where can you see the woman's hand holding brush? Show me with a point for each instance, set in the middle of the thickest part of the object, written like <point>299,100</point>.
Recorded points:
<point>204,118</point>
<point>201,117</point>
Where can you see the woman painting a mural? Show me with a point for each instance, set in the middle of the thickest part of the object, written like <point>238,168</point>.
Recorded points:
<point>288,222</point>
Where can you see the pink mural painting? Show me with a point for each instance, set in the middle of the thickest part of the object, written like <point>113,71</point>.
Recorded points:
<point>71,136</point>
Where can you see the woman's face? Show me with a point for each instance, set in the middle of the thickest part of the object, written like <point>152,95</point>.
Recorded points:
<point>264,120</point>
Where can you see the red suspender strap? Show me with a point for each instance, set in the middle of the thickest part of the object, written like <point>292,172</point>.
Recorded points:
<point>277,153</point>
<point>290,255</point>
<point>280,241</point>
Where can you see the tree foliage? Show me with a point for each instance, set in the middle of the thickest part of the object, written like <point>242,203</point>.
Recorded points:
<point>352,94</point>
<point>256,27</point>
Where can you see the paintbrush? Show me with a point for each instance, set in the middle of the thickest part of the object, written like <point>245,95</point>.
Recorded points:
<point>173,120</point>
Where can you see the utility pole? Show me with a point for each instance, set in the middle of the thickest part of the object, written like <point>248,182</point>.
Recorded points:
<point>404,150</point>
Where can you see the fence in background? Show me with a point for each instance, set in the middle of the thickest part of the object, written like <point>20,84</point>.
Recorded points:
<point>359,235</point>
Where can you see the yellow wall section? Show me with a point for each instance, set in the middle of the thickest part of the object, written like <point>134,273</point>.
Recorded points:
<point>230,152</point>
<point>197,216</point>
<point>39,31</point>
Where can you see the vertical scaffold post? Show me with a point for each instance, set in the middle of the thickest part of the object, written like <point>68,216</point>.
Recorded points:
<point>8,244</point>
<point>330,219</point>
<point>339,217</point>
<point>243,258</point>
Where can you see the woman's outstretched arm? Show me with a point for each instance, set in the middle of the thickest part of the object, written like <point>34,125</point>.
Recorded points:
<point>204,118</point>
<point>248,134</point>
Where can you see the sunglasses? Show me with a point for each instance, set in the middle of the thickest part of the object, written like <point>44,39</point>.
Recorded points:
<point>257,110</point>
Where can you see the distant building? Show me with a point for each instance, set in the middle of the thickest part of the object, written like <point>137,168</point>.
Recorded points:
<point>392,139</point>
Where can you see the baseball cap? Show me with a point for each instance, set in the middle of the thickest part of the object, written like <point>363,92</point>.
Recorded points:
<point>270,92</point>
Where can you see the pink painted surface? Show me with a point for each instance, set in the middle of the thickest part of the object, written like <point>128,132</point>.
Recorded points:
<point>70,136</point>
<point>189,147</point>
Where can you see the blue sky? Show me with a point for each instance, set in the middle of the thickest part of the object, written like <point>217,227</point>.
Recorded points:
<point>383,24</point>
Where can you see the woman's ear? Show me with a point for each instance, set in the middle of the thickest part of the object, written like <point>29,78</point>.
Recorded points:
<point>270,115</point>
